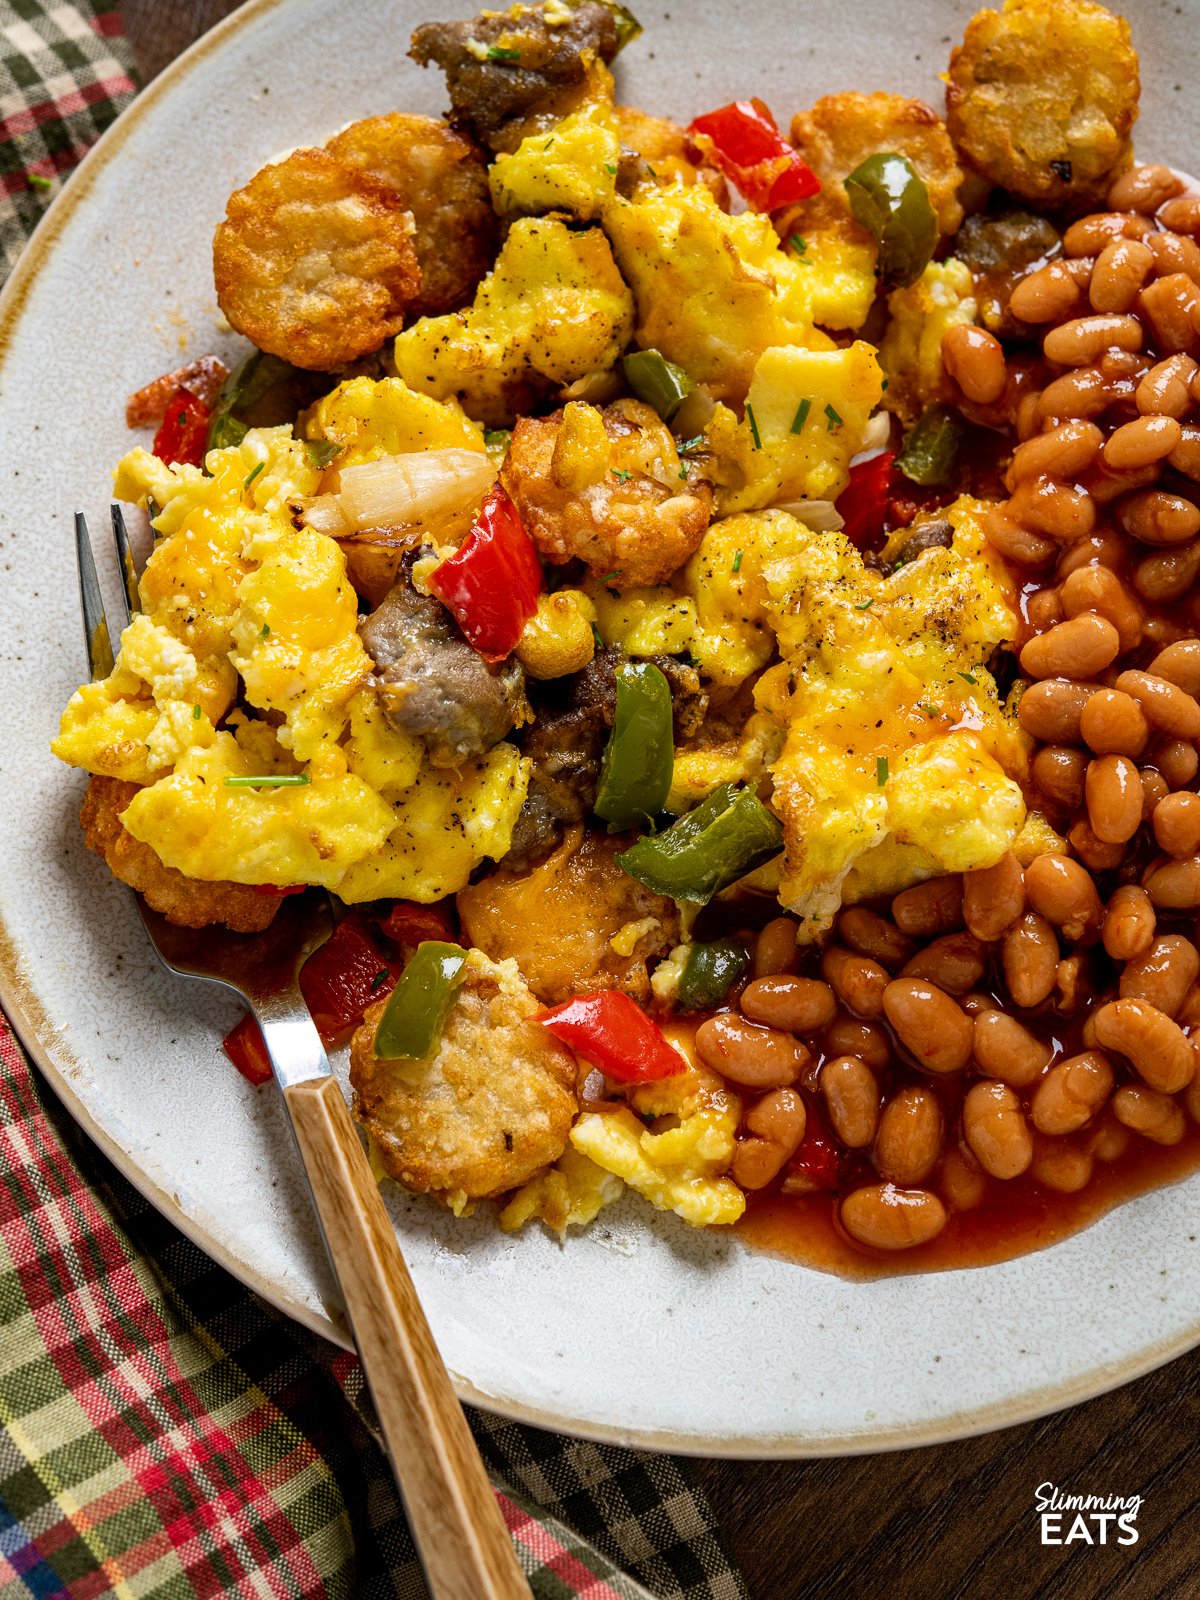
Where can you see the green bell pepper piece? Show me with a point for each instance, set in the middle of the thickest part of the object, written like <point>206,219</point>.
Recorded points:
<point>635,773</point>
<point>727,835</point>
<point>657,381</point>
<point>709,973</point>
<point>892,202</point>
<point>417,1007</point>
<point>931,448</point>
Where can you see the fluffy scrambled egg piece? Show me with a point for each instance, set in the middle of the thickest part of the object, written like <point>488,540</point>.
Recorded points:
<point>680,1168</point>
<point>559,638</point>
<point>911,352</point>
<point>665,154</point>
<point>573,168</point>
<point>805,416</point>
<point>554,308</point>
<point>733,637</point>
<point>570,1195</point>
<point>896,740</point>
<point>368,418</point>
<point>647,621</point>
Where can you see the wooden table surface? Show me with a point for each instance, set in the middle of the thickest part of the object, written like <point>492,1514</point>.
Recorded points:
<point>956,1521</point>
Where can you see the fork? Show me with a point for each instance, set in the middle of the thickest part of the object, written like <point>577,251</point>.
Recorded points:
<point>455,1521</point>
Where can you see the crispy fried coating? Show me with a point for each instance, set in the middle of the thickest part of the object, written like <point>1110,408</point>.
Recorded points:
<point>574,923</point>
<point>490,1107</point>
<point>840,131</point>
<point>315,261</point>
<point>1041,98</point>
<point>660,149</point>
<point>441,178</point>
<point>606,485</point>
<point>189,902</point>
<point>509,72</point>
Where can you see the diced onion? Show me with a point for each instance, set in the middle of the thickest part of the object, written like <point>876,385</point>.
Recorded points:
<point>325,514</point>
<point>420,487</point>
<point>877,432</point>
<point>822,516</point>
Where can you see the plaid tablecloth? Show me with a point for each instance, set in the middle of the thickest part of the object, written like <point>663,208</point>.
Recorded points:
<point>164,1435</point>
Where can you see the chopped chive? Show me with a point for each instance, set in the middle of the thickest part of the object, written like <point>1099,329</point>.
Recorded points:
<point>610,169</point>
<point>753,426</point>
<point>866,605</point>
<point>499,52</point>
<point>38,182</point>
<point>652,172</point>
<point>615,573</point>
<point>883,390</point>
<point>798,243</point>
<point>688,445</point>
<point>931,710</point>
<point>284,780</point>
<point>737,561</point>
<point>968,677</point>
<point>597,641</point>
<point>321,452</point>
<point>494,436</point>
<point>622,474</point>
<point>380,977</point>
<point>250,477</point>
<point>547,144</point>
<point>265,630</point>
<point>683,474</point>
<point>881,770</point>
<point>834,420</point>
<point>195,713</point>
<point>801,416</point>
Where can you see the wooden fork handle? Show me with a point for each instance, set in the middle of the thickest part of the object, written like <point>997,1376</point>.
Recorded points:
<point>464,1545</point>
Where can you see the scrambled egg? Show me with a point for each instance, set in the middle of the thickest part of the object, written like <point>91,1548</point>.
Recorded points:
<point>554,308</point>
<point>648,621</point>
<point>899,761</point>
<point>368,419</point>
<point>733,636</point>
<point>911,352</point>
<point>571,168</point>
<point>570,1194</point>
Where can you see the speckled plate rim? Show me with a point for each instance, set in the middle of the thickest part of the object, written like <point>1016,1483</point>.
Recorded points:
<point>35,1029</point>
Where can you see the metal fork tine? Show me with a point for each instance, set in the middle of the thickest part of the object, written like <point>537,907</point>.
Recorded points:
<point>126,565</point>
<point>95,626</point>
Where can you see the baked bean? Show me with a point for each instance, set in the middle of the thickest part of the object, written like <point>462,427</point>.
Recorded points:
<point>1122,266</point>
<point>929,908</point>
<point>1043,609</point>
<point>962,1183</point>
<point>1029,958</point>
<point>1182,215</point>
<point>795,1005</point>
<point>849,1036</point>
<point>1097,588</point>
<point>1108,1140</point>
<point>1078,343</point>
<point>1141,442</point>
<point>776,1124</point>
<point>857,981</point>
<point>874,936</point>
<point>1083,392</point>
<point>1073,985</point>
<point>975,359</point>
<point>1188,1015</point>
<point>975,1003</point>
<point>1028,420</point>
<point>1071,1093</point>
<point>1175,885</point>
<point>1154,788</point>
<point>1164,391</point>
<point>1095,854</point>
<point>1113,793</point>
<point>1177,761</point>
<point>1090,235</point>
<point>909,1138</point>
<point>1185,457</point>
<point>1169,574</point>
<point>1015,543</point>
<point>1176,824</point>
<point>1062,892</point>
<point>995,1128</point>
<point>1157,1049</point>
<point>993,897</point>
<point>1058,772</point>
<point>852,1100</point>
<point>1052,710</point>
<point>1166,304</point>
<point>1172,253</point>
<point>1059,511</point>
<point>1162,975</point>
<point>775,949</point>
<point>937,1032</point>
<point>1059,452</point>
<point>1006,1050</point>
<point>1155,1116</point>
<point>1045,295</point>
<point>1166,705</point>
<point>1191,1098</point>
<point>1129,922</point>
<point>1143,188</point>
<point>1108,548</point>
<point>887,1218</point>
<point>955,962</point>
<point>747,1054</point>
<point>1113,723</point>
<point>1179,664</point>
<point>1154,517</point>
<point>1061,1166</point>
<point>1078,648</point>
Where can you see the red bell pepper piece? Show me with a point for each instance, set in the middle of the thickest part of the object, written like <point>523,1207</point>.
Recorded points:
<point>862,504</point>
<point>816,1163</point>
<point>346,975</point>
<point>743,140</point>
<point>203,378</point>
<point>183,433</point>
<point>410,925</point>
<point>492,581</point>
<point>247,1049</point>
<point>612,1032</point>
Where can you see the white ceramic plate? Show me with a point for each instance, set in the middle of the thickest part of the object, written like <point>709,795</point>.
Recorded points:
<point>641,1330</point>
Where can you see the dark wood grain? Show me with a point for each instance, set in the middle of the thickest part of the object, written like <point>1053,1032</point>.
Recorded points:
<point>955,1522</point>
